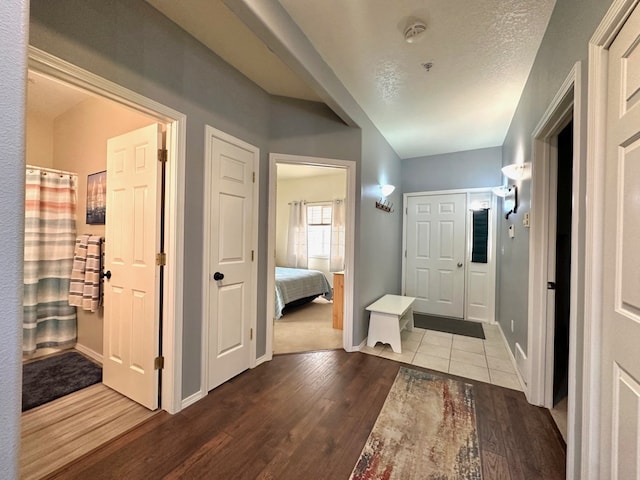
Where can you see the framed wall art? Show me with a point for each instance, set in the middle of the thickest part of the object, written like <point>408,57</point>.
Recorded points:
<point>96,198</point>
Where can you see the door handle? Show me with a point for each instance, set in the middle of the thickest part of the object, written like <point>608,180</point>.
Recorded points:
<point>459,264</point>
<point>106,274</point>
<point>218,276</point>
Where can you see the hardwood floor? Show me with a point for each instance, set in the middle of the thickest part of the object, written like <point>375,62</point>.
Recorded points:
<point>61,431</point>
<point>307,416</point>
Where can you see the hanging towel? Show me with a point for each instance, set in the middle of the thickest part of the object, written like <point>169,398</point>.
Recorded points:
<point>92,276</point>
<point>76,285</point>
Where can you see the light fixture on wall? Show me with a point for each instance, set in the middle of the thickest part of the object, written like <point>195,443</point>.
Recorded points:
<point>510,195</point>
<point>387,190</point>
<point>517,171</point>
<point>383,204</point>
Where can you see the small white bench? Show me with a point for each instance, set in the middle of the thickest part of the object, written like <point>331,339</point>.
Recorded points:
<point>389,315</point>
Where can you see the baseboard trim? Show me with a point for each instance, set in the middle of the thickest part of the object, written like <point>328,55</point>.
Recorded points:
<point>191,399</point>
<point>89,353</point>
<point>523,384</point>
<point>263,359</point>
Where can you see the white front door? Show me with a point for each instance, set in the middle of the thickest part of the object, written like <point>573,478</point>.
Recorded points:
<point>131,295</point>
<point>435,239</point>
<point>230,257</point>
<point>620,388</point>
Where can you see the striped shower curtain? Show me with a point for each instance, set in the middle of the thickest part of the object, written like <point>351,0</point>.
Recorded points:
<point>49,240</point>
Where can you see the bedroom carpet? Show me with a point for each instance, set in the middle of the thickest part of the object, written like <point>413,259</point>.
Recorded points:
<point>426,430</point>
<point>448,325</point>
<point>46,379</point>
<point>306,328</point>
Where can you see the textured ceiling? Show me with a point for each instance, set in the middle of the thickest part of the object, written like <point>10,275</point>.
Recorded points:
<point>481,53</point>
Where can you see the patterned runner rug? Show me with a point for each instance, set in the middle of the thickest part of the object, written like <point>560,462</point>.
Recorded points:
<point>426,430</point>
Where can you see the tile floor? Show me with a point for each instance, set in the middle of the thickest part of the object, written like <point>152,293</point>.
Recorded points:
<point>485,360</point>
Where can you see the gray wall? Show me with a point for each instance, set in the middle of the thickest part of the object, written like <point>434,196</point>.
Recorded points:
<point>14,20</point>
<point>379,236</point>
<point>132,44</point>
<point>448,171</point>
<point>565,42</point>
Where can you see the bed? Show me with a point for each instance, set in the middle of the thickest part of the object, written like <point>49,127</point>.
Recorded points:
<point>295,286</point>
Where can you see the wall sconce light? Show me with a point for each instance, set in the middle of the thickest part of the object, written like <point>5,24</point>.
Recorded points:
<point>387,190</point>
<point>517,171</point>
<point>383,204</point>
<point>510,195</point>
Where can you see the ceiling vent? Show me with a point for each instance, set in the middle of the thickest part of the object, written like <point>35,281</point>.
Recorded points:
<point>414,32</point>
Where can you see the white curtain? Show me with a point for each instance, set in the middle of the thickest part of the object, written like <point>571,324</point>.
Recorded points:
<point>297,236</point>
<point>336,258</point>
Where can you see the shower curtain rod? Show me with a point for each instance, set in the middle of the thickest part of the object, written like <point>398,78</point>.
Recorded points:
<point>49,170</point>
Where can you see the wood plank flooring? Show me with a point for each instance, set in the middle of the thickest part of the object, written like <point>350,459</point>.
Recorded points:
<point>62,431</point>
<point>307,416</point>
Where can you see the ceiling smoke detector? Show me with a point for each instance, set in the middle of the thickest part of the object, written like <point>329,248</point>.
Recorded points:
<point>414,32</point>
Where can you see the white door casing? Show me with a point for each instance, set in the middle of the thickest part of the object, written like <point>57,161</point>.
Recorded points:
<point>231,168</point>
<point>620,374</point>
<point>349,256</point>
<point>435,253</point>
<point>131,295</point>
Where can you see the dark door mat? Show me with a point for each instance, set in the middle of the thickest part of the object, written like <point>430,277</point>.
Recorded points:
<point>56,376</point>
<point>449,325</point>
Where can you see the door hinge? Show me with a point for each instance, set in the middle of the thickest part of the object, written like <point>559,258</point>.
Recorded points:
<point>251,334</point>
<point>254,177</point>
<point>252,253</point>
<point>405,254</point>
<point>158,363</point>
<point>161,259</point>
<point>162,155</point>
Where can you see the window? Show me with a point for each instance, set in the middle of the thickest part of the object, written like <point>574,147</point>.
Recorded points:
<point>319,230</point>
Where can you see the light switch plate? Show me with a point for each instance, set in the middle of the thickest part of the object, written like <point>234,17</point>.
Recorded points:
<point>525,220</point>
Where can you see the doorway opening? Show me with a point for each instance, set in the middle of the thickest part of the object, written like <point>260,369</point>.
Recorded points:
<point>309,236</point>
<point>67,130</point>
<point>557,217</point>
<point>91,102</point>
<point>561,268</point>
<point>311,225</point>
<point>97,87</point>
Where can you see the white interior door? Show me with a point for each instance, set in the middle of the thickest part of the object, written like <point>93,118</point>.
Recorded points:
<point>230,271</point>
<point>435,236</point>
<point>620,400</point>
<point>131,295</point>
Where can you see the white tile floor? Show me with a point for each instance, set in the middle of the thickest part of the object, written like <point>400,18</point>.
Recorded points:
<point>485,360</point>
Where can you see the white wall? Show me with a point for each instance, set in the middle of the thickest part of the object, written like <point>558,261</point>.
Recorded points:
<point>39,135</point>
<point>312,189</point>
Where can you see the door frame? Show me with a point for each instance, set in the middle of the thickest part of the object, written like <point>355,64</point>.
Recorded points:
<point>599,44</point>
<point>567,104</point>
<point>50,65</point>
<point>350,167</point>
<point>206,257</point>
<point>493,242</point>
